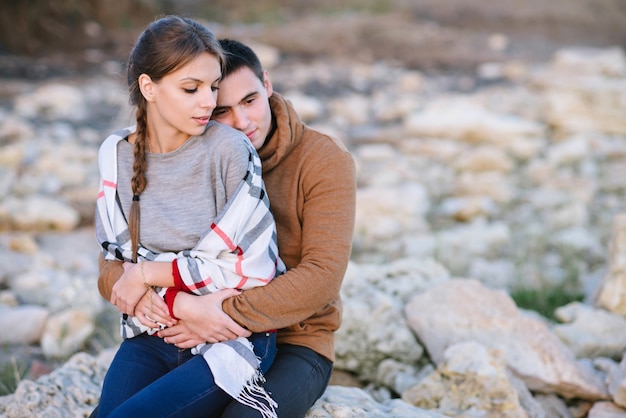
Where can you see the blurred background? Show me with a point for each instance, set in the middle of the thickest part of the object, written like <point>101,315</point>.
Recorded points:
<point>39,38</point>
<point>489,138</point>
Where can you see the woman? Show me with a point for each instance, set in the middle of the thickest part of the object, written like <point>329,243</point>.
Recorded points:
<point>205,225</point>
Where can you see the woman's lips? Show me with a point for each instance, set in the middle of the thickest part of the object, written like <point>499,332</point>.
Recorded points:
<point>202,120</point>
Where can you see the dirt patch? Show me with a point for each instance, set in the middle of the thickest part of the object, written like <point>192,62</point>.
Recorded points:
<point>449,34</point>
<point>423,34</point>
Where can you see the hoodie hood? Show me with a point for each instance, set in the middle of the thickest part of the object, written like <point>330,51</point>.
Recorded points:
<point>288,128</point>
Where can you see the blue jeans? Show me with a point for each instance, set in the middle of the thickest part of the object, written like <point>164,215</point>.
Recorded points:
<point>150,378</point>
<point>298,377</point>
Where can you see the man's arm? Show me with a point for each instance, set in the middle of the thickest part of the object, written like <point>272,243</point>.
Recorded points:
<point>327,228</point>
<point>110,273</point>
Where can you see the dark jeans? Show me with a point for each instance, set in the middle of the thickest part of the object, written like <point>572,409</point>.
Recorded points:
<point>149,378</point>
<point>297,378</point>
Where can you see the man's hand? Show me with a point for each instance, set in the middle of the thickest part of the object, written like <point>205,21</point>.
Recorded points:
<point>203,316</point>
<point>181,336</point>
<point>128,290</point>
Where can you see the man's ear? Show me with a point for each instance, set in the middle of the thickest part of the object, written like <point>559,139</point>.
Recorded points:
<point>267,83</point>
<point>146,86</point>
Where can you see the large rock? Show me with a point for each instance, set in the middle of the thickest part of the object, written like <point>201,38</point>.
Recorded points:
<point>37,213</point>
<point>612,291</point>
<point>386,212</point>
<point>347,402</point>
<point>606,410</point>
<point>66,333</point>
<point>379,293</point>
<point>470,381</point>
<point>72,390</point>
<point>589,97</point>
<point>53,101</point>
<point>466,120</point>
<point>591,332</point>
<point>616,381</point>
<point>31,320</point>
<point>462,310</point>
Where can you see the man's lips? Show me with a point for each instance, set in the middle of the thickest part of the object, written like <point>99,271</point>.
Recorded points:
<point>250,134</point>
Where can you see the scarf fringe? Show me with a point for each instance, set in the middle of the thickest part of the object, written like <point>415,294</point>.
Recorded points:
<point>255,396</point>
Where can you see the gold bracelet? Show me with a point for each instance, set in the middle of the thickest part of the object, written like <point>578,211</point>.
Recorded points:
<point>143,276</point>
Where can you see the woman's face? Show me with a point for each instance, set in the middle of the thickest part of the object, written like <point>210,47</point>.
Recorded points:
<point>181,103</point>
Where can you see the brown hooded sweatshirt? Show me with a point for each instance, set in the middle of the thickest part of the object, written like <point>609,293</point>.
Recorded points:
<point>311,182</point>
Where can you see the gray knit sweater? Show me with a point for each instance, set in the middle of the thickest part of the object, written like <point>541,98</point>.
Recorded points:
<point>186,188</point>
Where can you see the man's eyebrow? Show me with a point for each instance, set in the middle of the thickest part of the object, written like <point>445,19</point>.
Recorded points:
<point>248,96</point>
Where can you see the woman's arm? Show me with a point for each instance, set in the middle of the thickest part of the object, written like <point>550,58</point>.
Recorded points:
<point>138,280</point>
<point>213,323</point>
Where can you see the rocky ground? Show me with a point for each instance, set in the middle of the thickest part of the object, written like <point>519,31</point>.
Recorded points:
<point>498,155</point>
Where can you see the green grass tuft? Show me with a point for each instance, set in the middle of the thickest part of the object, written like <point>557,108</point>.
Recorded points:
<point>11,374</point>
<point>545,301</point>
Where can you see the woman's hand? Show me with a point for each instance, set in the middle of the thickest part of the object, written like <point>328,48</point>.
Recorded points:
<point>128,289</point>
<point>203,316</point>
<point>152,311</point>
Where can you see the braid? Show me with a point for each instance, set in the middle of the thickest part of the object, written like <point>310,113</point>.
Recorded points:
<point>139,181</point>
<point>165,45</point>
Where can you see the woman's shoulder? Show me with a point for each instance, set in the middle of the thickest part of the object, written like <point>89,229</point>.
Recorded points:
<point>220,136</point>
<point>111,141</point>
<point>219,129</point>
<point>120,134</point>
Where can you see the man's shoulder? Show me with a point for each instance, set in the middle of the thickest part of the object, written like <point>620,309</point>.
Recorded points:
<point>319,142</point>
<point>320,152</point>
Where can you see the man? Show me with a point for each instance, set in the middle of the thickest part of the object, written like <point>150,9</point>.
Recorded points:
<point>310,180</point>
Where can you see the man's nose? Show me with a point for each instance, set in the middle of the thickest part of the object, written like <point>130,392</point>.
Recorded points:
<point>240,121</point>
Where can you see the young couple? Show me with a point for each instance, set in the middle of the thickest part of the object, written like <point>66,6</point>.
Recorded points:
<point>185,224</point>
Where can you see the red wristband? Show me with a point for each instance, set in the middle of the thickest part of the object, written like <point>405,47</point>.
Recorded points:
<point>178,280</point>
<point>170,296</point>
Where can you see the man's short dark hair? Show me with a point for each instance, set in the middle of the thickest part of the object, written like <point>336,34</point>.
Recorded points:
<point>239,55</point>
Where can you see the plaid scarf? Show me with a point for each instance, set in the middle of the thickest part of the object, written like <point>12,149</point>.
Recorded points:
<point>238,251</point>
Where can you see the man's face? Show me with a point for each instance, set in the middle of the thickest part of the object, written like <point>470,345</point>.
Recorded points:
<point>243,103</point>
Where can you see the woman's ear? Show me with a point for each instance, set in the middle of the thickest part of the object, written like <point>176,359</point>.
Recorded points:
<point>147,87</point>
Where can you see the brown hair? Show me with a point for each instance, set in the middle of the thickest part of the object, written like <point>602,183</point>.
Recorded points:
<point>164,46</point>
<point>238,56</point>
